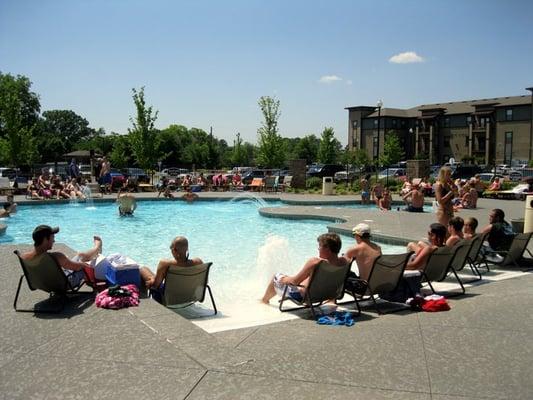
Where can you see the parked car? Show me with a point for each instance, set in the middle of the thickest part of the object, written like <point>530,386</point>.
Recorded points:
<point>322,170</point>
<point>466,171</point>
<point>174,172</point>
<point>391,173</point>
<point>8,172</point>
<point>137,174</point>
<point>489,177</point>
<point>85,171</point>
<point>515,176</point>
<point>343,176</point>
<point>257,173</point>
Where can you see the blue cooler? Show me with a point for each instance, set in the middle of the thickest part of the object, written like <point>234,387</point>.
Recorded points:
<point>124,273</point>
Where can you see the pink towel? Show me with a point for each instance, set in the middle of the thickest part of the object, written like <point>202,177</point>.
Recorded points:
<point>104,300</point>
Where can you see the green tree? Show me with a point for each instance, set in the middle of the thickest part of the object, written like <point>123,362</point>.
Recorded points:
<point>307,149</point>
<point>120,153</point>
<point>238,155</point>
<point>392,150</point>
<point>271,152</point>
<point>143,137</point>
<point>19,113</point>
<point>329,147</point>
<point>61,130</point>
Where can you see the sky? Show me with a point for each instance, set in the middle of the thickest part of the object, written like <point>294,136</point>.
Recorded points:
<point>206,63</point>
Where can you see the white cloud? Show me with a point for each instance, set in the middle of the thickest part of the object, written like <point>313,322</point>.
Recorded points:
<point>329,79</point>
<point>406,58</point>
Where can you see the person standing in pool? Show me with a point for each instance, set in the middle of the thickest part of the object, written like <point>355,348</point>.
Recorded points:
<point>365,193</point>
<point>180,258</point>
<point>329,245</point>
<point>43,241</point>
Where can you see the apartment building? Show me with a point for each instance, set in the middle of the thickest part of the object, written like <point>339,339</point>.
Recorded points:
<point>485,131</point>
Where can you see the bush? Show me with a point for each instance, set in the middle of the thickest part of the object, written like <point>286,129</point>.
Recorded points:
<point>313,183</point>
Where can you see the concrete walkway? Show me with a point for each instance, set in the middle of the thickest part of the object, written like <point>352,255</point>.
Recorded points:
<point>482,348</point>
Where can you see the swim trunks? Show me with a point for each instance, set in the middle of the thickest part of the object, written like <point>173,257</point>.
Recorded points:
<point>292,291</point>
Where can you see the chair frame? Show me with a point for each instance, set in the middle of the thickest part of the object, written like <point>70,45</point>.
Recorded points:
<point>442,270</point>
<point>177,271</point>
<point>67,288</point>
<point>308,300</point>
<point>509,259</point>
<point>373,287</point>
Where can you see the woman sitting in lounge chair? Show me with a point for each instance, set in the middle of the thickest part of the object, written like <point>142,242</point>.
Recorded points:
<point>180,253</point>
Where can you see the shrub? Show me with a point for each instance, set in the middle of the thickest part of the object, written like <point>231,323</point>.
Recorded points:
<point>313,183</point>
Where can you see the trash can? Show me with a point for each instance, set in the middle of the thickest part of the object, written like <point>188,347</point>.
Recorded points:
<point>528,215</point>
<point>327,187</point>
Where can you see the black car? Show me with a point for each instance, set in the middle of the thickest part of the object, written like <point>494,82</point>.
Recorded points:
<point>466,171</point>
<point>137,174</point>
<point>322,170</point>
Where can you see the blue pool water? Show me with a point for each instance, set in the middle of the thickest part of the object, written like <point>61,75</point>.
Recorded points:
<point>245,248</point>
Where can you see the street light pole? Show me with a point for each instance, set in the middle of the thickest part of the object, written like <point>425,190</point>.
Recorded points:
<point>379,105</point>
<point>531,125</point>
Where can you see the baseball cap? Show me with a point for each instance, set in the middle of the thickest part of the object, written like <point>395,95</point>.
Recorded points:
<point>361,229</point>
<point>43,231</point>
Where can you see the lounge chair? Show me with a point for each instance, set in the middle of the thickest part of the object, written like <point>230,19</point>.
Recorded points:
<point>440,265</point>
<point>475,260</point>
<point>256,185</point>
<point>185,286</point>
<point>326,283</point>
<point>514,257</point>
<point>44,273</point>
<point>5,186</point>
<point>271,184</point>
<point>461,258</point>
<point>384,278</point>
<point>287,181</point>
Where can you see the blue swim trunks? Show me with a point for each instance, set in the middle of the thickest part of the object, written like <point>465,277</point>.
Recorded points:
<point>292,291</point>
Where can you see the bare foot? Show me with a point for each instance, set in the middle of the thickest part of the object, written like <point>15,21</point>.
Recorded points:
<point>98,243</point>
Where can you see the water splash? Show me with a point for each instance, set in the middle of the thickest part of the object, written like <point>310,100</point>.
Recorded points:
<point>249,198</point>
<point>89,203</point>
<point>273,256</point>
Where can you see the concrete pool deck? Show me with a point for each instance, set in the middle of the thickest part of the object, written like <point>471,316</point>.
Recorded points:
<point>482,348</point>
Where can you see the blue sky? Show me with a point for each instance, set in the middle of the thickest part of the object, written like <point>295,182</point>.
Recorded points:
<point>206,63</point>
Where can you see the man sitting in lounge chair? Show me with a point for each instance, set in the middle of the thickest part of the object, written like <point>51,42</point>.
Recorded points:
<point>436,238</point>
<point>180,253</point>
<point>500,236</point>
<point>43,241</point>
<point>329,245</point>
<point>364,251</point>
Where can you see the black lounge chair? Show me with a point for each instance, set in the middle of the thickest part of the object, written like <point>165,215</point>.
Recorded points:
<point>44,273</point>
<point>185,286</point>
<point>326,283</point>
<point>514,257</point>
<point>440,265</point>
<point>384,278</point>
<point>475,258</point>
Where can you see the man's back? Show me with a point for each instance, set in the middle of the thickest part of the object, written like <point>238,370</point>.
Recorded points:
<point>364,253</point>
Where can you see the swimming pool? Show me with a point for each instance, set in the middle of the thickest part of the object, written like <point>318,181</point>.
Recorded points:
<point>246,249</point>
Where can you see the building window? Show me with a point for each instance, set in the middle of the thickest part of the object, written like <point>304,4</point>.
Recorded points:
<point>468,120</point>
<point>375,147</point>
<point>446,141</point>
<point>508,149</point>
<point>354,124</point>
<point>394,122</point>
<point>509,115</point>
<point>376,122</point>
<point>446,122</point>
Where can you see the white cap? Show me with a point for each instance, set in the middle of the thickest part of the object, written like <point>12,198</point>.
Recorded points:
<point>361,229</point>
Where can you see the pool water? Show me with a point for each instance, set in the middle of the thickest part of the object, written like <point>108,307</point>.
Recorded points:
<point>246,249</point>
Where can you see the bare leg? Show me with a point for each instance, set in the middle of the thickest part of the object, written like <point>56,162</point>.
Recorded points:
<point>92,253</point>
<point>147,276</point>
<point>270,292</point>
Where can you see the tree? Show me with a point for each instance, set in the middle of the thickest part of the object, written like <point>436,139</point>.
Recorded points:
<point>392,150</point>
<point>237,156</point>
<point>61,130</point>
<point>19,113</point>
<point>307,148</point>
<point>329,147</point>
<point>143,137</point>
<point>120,154</point>
<point>271,152</point>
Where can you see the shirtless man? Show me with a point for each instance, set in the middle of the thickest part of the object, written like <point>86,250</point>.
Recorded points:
<point>386,201</point>
<point>126,204</point>
<point>377,192</point>
<point>436,237</point>
<point>416,198</point>
<point>43,241</point>
<point>180,258</point>
<point>455,231</point>
<point>364,252</point>
<point>105,175</point>
<point>329,245</point>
